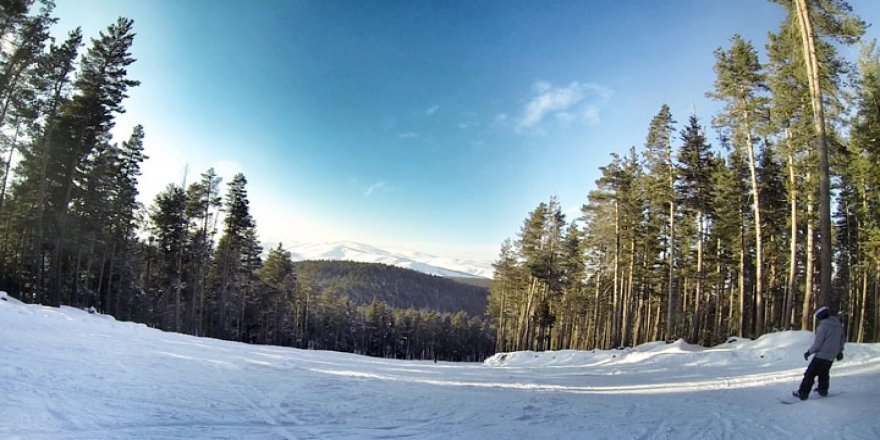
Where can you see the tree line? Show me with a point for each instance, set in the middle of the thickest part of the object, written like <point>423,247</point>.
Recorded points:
<point>683,239</point>
<point>72,231</point>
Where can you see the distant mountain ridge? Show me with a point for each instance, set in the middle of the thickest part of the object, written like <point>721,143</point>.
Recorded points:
<point>417,261</point>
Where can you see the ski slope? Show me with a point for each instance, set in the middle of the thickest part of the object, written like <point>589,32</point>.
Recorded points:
<point>68,374</point>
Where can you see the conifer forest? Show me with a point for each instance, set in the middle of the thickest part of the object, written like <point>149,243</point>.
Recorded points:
<point>703,239</point>
<point>691,235</point>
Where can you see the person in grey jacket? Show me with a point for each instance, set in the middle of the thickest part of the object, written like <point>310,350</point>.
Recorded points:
<point>827,346</point>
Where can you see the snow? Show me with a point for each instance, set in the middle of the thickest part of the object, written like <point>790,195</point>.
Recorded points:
<point>418,261</point>
<point>68,374</point>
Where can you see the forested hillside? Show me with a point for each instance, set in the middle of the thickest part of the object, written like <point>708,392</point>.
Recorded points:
<point>396,287</point>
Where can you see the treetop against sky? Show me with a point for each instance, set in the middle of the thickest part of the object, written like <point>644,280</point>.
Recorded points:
<point>426,125</point>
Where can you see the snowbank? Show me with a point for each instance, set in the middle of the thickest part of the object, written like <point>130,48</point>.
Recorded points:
<point>5,297</point>
<point>779,347</point>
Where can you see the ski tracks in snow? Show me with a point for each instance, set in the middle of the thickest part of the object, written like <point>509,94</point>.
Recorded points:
<point>271,413</point>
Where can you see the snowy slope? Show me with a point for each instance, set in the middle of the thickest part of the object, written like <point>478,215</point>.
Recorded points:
<point>66,374</point>
<point>418,261</point>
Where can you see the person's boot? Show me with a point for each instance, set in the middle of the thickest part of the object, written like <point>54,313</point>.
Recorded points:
<point>799,395</point>
<point>823,393</point>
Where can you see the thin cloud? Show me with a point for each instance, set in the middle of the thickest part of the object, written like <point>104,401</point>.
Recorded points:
<point>564,103</point>
<point>408,135</point>
<point>469,121</point>
<point>590,115</point>
<point>564,117</point>
<point>431,110</point>
<point>378,186</point>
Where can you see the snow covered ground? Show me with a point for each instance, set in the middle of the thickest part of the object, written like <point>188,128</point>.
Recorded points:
<point>67,374</point>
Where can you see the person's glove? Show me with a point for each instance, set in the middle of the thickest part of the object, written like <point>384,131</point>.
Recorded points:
<point>840,356</point>
<point>806,355</point>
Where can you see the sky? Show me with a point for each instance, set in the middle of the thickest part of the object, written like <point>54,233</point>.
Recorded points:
<point>423,125</point>
<point>74,375</point>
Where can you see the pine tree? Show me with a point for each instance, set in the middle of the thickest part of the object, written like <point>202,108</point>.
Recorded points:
<point>833,19</point>
<point>600,238</point>
<point>24,38</point>
<point>661,188</point>
<point>505,293</point>
<point>790,92</point>
<point>694,187</point>
<point>530,247</point>
<point>169,233</point>
<point>12,13</point>
<point>572,273</point>
<point>84,125</point>
<point>30,191</point>
<point>235,263</point>
<point>773,204</point>
<point>27,47</point>
<point>203,201</point>
<point>740,84</point>
<point>864,175</point>
<point>279,277</point>
<point>618,186</point>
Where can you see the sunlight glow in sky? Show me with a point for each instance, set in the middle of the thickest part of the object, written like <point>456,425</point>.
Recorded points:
<point>434,126</point>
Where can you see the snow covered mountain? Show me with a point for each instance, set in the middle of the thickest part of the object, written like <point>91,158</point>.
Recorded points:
<point>418,261</point>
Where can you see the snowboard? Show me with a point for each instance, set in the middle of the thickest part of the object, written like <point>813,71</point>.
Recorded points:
<point>792,400</point>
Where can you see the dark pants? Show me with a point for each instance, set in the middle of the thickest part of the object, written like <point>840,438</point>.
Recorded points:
<point>818,367</point>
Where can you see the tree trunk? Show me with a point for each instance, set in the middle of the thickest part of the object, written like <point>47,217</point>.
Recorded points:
<point>759,251</point>
<point>851,288</point>
<point>523,329</point>
<point>863,308</point>
<point>791,284</point>
<point>864,271</point>
<point>808,284</point>
<point>655,335</point>
<point>672,299</point>
<point>698,288</point>
<point>629,302</point>
<point>499,342</point>
<point>826,297</point>
<point>102,300</point>
<point>877,304</point>
<point>637,322</point>
<point>742,285</point>
<point>594,328</point>
<point>615,322</point>
<point>719,291</point>
<point>7,167</point>
<point>112,298</point>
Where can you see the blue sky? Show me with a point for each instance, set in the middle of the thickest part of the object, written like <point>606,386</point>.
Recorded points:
<point>433,126</point>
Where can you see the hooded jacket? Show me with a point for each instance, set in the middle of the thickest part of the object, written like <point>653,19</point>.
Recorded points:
<point>830,339</point>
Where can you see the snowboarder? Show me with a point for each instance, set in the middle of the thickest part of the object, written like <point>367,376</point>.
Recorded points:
<point>827,346</point>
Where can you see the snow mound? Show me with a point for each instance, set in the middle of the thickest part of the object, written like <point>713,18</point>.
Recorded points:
<point>774,348</point>
<point>4,297</point>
